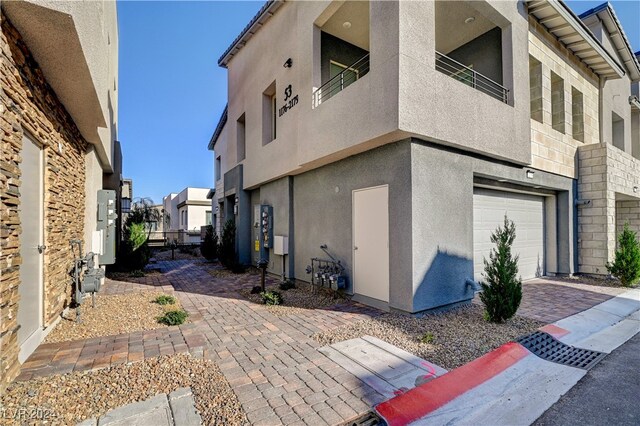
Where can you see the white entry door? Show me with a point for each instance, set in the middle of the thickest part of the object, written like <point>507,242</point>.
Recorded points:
<point>526,212</point>
<point>31,249</point>
<point>371,242</point>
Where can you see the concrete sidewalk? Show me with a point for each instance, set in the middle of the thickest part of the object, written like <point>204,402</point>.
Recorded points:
<point>511,385</point>
<point>176,409</point>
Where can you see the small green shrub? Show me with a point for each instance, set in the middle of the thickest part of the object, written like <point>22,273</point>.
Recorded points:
<point>173,317</point>
<point>427,338</point>
<point>271,298</point>
<point>287,285</point>
<point>626,264</point>
<point>138,273</point>
<point>164,299</point>
<point>501,287</point>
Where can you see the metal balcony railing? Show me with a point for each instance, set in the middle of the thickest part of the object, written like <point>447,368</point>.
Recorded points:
<point>472,78</point>
<point>354,72</point>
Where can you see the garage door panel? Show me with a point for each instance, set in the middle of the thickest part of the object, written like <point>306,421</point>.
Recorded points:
<point>526,211</point>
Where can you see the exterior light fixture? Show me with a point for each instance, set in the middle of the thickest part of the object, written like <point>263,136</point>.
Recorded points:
<point>635,189</point>
<point>237,200</point>
<point>288,63</point>
<point>469,20</point>
<point>346,25</point>
<point>530,174</point>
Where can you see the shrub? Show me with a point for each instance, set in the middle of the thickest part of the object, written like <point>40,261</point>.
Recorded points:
<point>164,299</point>
<point>173,317</point>
<point>256,289</point>
<point>137,273</point>
<point>228,245</point>
<point>427,338</point>
<point>134,254</point>
<point>271,298</point>
<point>209,247</point>
<point>502,289</point>
<point>626,263</point>
<point>287,285</point>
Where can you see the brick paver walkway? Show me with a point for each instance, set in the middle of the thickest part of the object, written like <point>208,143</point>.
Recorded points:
<point>271,362</point>
<point>550,300</point>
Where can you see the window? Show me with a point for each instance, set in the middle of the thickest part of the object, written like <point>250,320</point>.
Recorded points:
<point>535,88</point>
<point>617,130</point>
<point>557,102</point>
<point>274,109</point>
<point>208,217</point>
<point>269,111</point>
<point>217,167</point>
<point>577,114</point>
<point>240,138</point>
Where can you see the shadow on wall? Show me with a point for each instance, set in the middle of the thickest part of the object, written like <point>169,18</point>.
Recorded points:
<point>445,282</point>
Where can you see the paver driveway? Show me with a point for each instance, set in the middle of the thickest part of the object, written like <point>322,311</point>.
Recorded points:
<point>271,362</point>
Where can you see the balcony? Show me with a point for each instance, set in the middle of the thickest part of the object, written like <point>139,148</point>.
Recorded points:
<point>470,77</point>
<point>341,80</point>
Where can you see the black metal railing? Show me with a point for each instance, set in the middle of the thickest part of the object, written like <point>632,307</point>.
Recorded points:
<point>472,78</point>
<point>337,83</point>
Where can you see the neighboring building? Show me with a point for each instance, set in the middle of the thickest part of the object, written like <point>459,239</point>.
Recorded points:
<point>402,150</point>
<point>59,75</point>
<point>185,213</point>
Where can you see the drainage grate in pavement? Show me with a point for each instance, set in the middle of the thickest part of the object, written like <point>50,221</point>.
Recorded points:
<point>551,349</point>
<point>368,419</point>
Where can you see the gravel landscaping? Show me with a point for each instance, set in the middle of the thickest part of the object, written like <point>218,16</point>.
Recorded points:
<point>296,300</point>
<point>113,314</point>
<point>133,277</point>
<point>453,338</point>
<point>71,398</point>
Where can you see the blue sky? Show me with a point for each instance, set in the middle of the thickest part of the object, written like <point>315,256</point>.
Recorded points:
<point>171,90</point>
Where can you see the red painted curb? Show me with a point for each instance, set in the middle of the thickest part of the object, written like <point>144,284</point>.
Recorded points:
<point>554,330</point>
<point>422,400</point>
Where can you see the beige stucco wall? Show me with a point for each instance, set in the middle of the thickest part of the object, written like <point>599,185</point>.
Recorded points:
<point>402,94</point>
<point>436,107</point>
<point>552,150</point>
<point>92,184</point>
<point>615,93</point>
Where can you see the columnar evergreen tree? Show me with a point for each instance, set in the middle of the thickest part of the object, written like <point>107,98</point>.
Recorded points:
<point>228,244</point>
<point>501,288</point>
<point>626,264</point>
<point>209,247</point>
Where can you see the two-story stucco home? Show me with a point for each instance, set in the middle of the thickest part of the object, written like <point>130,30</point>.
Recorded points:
<point>399,134</point>
<point>59,77</point>
<point>185,213</point>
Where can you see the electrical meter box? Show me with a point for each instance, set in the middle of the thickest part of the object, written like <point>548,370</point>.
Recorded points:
<point>107,216</point>
<point>266,226</point>
<point>280,245</point>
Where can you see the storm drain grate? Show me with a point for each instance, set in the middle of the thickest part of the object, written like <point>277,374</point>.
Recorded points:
<point>368,419</point>
<point>551,349</point>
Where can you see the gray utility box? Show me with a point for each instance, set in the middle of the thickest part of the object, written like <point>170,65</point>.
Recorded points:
<point>107,216</point>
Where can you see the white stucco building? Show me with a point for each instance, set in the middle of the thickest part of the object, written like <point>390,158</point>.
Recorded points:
<point>184,213</point>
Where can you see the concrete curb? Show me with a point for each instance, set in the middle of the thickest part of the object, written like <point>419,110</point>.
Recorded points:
<point>510,385</point>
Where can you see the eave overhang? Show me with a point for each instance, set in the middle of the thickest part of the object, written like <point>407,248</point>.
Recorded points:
<point>560,21</point>
<point>263,15</point>
<point>612,24</point>
<point>219,127</point>
<point>52,39</point>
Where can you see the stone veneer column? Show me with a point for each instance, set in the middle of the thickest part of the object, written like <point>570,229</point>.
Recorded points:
<point>30,105</point>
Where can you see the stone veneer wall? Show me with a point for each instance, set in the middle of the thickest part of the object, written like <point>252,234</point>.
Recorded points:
<point>628,211</point>
<point>30,105</point>
<point>551,150</point>
<point>606,172</point>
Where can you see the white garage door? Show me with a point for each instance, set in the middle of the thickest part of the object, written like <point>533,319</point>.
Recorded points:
<point>526,211</point>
